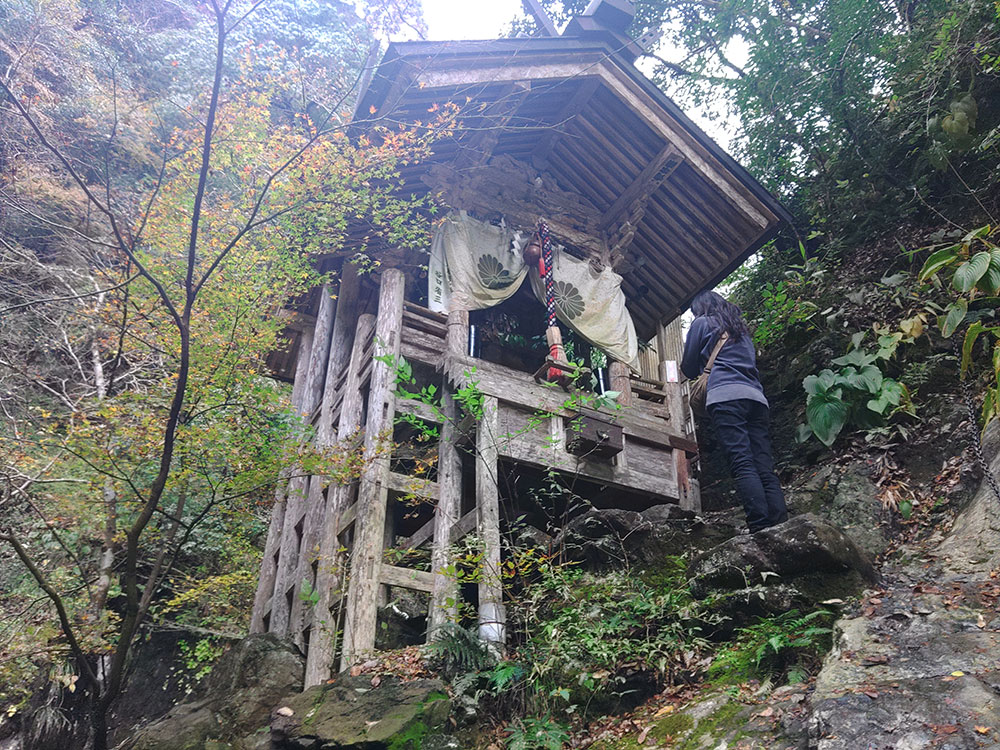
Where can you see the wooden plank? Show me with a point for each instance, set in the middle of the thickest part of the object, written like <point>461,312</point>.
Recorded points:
<point>573,107</point>
<point>369,537</point>
<point>412,485</point>
<point>419,580</point>
<point>425,312</point>
<point>348,517</point>
<point>639,469</point>
<point>423,323</point>
<point>492,617</point>
<point>444,593</point>
<point>419,409</point>
<point>461,528</point>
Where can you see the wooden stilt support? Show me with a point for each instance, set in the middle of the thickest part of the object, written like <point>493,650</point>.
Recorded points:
<point>338,332</point>
<point>281,549</point>
<point>444,596</point>
<point>369,537</point>
<point>492,617</point>
<point>329,576</point>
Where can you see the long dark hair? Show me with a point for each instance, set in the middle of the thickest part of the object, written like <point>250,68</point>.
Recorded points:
<point>730,317</point>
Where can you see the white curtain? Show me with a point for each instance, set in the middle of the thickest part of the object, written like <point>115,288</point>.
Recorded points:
<point>593,305</point>
<point>475,265</point>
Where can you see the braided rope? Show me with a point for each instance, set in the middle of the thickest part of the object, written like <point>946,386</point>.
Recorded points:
<point>550,284</point>
<point>975,441</point>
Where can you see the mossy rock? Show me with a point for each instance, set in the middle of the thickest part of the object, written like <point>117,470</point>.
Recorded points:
<point>351,713</point>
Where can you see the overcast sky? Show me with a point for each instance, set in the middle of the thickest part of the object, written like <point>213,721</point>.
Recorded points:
<point>468,19</point>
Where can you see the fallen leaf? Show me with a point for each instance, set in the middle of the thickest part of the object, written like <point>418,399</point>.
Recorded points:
<point>874,601</point>
<point>944,728</point>
<point>668,709</point>
<point>285,711</point>
<point>958,673</point>
<point>983,730</point>
<point>643,733</point>
<point>766,712</point>
<point>376,681</point>
<point>355,671</point>
<point>871,694</point>
<point>980,621</point>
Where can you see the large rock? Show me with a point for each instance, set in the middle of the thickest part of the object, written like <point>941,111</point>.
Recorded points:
<point>847,497</point>
<point>914,670</point>
<point>352,712</point>
<point>246,683</point>
<point>797,564</point>
<point>610,538</point>
<point>801,548</point>
<point>973,545</point>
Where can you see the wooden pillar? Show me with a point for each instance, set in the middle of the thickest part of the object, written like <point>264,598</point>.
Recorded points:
<point>492,617</point>
<point>369,536</point>
<point>670,347</point>
<point>444,597</point>
<point>319,357</point>
<point>335,324</point>
<point>619,374</point>
<point>329,576</point>
<point>274,572</point>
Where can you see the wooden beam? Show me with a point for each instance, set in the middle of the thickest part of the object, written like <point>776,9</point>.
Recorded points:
<point>393,575</point>
<point>492,617</point>
<point>347,518</point>
<point>412,486</point>
<point>369,536</point>
<point>650,178</point>
<point>620,378</point>
<point>476,149</point>
<point>462,528</point>
<point>534,9</point>
<point>419,409</point>
<point>574,106</point>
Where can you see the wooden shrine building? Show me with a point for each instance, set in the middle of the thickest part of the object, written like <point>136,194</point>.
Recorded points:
<point>644,210</point>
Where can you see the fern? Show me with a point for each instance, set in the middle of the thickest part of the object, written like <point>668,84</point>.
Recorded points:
<point>459,650</point>
<point>774,646</point>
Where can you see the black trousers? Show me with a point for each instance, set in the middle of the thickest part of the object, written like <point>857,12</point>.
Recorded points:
<point>741,429</point>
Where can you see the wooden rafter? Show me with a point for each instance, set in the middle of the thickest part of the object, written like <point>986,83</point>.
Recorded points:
<point>476,149</point>
<point>573,107</point>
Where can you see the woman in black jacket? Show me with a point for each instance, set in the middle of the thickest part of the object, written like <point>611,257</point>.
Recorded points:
<point>736,405</point>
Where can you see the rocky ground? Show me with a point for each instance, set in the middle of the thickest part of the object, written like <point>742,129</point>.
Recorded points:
<point>915,661</point>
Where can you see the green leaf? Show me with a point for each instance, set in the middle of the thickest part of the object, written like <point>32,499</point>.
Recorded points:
<point>954,315</point>
<point>976,234</point>
<point>938,260</point>
<point>990,282</point>
<point>857,357</point>
<point>969,273</point>
<point>826,413</point>
<point>970,341</point>
<point>819,384</point>
<point>872,378</point>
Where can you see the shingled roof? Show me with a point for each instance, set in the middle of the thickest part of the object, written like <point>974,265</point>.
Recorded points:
<point>677,213</point>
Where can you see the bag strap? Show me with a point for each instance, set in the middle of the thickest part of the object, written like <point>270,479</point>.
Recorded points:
<point>715,352</point>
